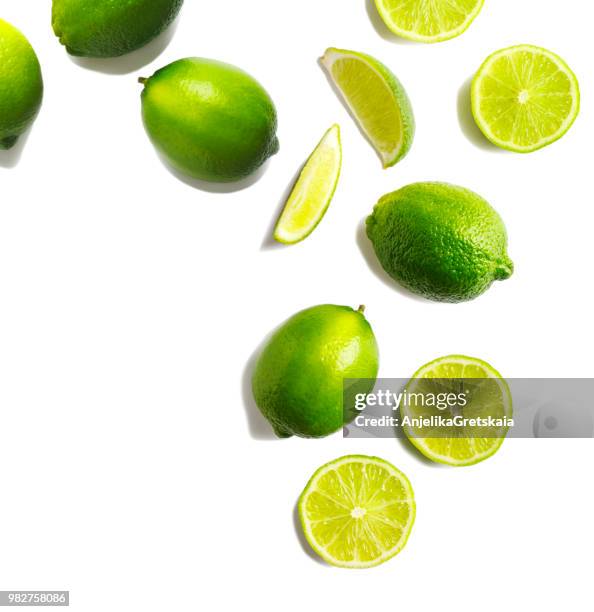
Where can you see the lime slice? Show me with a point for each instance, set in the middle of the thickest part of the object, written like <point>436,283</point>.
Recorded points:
<point>312,192</point>
<point>524,98</point>
<point>428,21</point>
<point>488,397</point>
<point>376,99</point>
<point>357,511</point>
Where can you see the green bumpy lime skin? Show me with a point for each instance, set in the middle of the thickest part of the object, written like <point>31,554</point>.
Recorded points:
<point>406,114</point>
<point>440,241</point>
<point>210,120</point>
<point>299,376</point>
<point>21,85</point>
<point>110,28</point>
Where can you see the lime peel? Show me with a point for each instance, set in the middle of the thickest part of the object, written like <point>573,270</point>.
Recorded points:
<point>21,85</point>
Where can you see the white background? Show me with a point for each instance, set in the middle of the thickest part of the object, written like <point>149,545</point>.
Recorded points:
<point>133,468</point>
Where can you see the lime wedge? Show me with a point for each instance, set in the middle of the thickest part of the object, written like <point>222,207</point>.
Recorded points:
<point>312,192</point>
<point>428,21</point>
<point>486,395</point>
<point>357,511</point>
<point>376,99</point>
<point>524,98</point>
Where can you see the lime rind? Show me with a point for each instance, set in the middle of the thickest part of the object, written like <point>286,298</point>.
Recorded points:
<point>441,241</point>
<point>494,444</point>
<point>394,91</point>
<point>387,15</point>
<point>313,192</point>
<point>483,123</point>
<point>333,465</point>
<point>21,85</point>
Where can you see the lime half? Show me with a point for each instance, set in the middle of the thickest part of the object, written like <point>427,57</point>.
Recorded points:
<point>312,192</point>
<point>524,98</point>
<point>357,511</point>
<point>377,100</point>
<point>428,21</point>
<point>485,395</point>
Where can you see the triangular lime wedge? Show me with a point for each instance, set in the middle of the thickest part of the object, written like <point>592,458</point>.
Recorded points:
<point>377,100</point>
<point>312,192</point>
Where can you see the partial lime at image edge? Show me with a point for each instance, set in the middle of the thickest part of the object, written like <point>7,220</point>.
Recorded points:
<point>435,35</point>
<point>21,85</point>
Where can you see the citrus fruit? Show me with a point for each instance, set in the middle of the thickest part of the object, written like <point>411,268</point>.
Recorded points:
<point>313,191</point>
<point>428,21</point>
<point>210,120</point>
<point>21,85</point>
<point>109,28</point>
<point>357,511</point>
<point>299,378</point>
<point>440,241</point>
<point>486,395</point>
<point>524,98</point>
<point>377,100</point>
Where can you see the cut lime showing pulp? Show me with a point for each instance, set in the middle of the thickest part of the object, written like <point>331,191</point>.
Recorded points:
<point>524,98</point>
<point>357,511</point>
<point>428,21</point>
<point>312,192</point>
<point>489,396</point>
<point>377,100</point>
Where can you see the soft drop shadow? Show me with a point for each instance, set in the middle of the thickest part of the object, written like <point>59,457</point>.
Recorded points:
<point>339,95</point>
<point>10,158</point>
<point>245,183</point>
<point>467,123</point>
<point>269,242</point>
<point>381,28</point>
<point>307,549</point>
<point>374,265</point>
<point>135,60</point>
<point>259,428</point>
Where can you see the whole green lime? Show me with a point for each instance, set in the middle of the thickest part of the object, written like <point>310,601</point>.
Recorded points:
<point>210,120</point>
<point>441,241</point>
<point>110,28</point>
<point>315,363</point>
<point>21,85</point>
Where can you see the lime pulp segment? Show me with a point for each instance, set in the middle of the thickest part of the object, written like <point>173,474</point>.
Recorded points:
<point>357,511</point>
<point>313,191</point>
<point>428,21</point>
<point>377,100</point>
<point>524,98</point>
<point>489,397</point>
